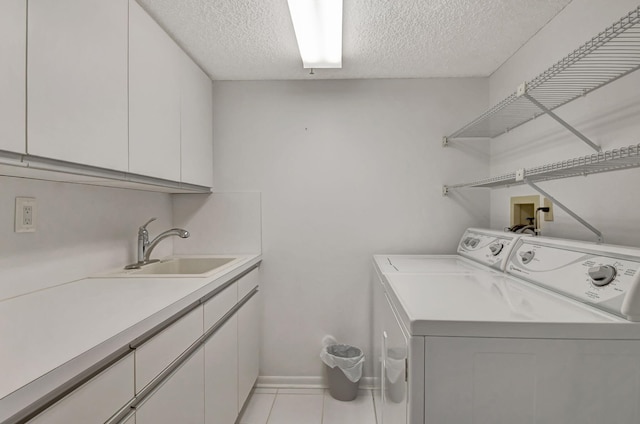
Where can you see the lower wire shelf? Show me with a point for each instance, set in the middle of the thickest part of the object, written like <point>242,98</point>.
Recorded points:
<point>607,161</point>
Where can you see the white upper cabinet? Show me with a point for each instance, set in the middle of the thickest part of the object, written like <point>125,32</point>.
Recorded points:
<point>13,47</point>
<point>154,98</point>
<point>196,124</point>
<point>77,81</point>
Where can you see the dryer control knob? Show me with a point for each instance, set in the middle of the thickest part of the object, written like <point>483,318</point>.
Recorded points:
<point>602,275</point>
<point>527,256</point>
<point>496,248</point>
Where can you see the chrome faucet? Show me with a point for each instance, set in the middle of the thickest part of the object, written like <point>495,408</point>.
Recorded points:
<point>145,247</point>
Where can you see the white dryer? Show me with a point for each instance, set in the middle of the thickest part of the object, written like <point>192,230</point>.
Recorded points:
<point>480,251</point>
<point>552,341</point>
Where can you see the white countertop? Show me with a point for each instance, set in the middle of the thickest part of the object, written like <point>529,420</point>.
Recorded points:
<point>51,335</point>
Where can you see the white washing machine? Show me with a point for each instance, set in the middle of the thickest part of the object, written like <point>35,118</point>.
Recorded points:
<point>551,341</point>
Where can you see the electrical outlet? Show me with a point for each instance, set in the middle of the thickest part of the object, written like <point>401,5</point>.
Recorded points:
<point>25,220</point>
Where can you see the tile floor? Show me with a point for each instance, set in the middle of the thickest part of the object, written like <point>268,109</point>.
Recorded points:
<point>306,406</point>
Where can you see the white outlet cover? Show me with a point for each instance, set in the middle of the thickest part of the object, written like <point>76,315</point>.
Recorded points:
<point>21,204</point>
<point>520,174</point>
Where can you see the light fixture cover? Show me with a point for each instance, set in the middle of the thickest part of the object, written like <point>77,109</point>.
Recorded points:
<point>318,27</point>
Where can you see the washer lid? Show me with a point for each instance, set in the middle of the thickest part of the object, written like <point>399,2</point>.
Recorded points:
<point>426,264</point>
<point>491,305</point>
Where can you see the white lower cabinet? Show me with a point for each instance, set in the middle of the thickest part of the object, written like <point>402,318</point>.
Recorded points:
<point>179,375</point>
<point>156,354</point>
<point>248,347</point>
<point>221,374</point>
<point>95,401</point>
<point>180,399</point>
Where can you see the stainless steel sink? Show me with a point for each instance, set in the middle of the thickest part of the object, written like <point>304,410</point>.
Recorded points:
<point>179,267</point>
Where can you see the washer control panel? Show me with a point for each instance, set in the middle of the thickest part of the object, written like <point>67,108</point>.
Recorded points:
<point>604,276</point>
<point>487,247</point>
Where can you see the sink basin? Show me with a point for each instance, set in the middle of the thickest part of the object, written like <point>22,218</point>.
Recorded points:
<point>179,267</point>
<point>183,266</point>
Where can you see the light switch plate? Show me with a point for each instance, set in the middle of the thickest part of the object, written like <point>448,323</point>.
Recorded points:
<point>25,215</point>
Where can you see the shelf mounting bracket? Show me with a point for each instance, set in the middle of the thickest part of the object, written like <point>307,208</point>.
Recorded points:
<point>561,121</point>
<point>566,209</point>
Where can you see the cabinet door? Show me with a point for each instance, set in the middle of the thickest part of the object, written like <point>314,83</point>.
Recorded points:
<point>77,81</point>
<point>248,347</point>
<point>196,124</point>
<point>154,98</point>
<point>157,354</point>
<point>221,375</point>
<point>180,399</point>
<point>13,49</point>
<point>394,359</point>
<point>95,401</point>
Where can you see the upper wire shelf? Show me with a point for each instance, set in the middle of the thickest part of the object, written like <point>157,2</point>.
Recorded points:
<point>610,160</point>
<point>610,55</point>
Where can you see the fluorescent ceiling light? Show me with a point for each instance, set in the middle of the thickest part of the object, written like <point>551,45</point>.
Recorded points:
<point>318,27</point>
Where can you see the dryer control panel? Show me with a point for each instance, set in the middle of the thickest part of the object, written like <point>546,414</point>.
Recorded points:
<point>603,276</point>
<point>488,247</point>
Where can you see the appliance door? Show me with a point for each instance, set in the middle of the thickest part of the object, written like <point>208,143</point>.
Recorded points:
<point>394,368</point>
<point>379,305</point>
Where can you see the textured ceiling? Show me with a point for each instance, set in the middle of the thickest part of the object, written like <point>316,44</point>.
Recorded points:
<point>254,39</point>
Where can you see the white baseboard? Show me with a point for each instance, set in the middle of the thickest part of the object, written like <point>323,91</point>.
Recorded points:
<point>308,382</point>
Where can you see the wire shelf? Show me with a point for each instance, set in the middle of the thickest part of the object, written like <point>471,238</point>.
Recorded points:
<point>610,160</point>
<point>610,55</point>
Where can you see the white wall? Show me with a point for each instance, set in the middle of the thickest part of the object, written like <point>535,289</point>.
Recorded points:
<point>609,116</point>
<point>346,169</point>
<point>220,223</point>
<point>81,230</point>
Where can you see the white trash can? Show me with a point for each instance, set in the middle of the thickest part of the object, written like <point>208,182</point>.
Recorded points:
<point>344,370</point>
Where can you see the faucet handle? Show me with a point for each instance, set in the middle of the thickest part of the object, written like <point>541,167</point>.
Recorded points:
<point>144,227</point>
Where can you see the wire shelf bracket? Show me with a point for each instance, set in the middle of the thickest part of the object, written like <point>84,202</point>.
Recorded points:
<point>610,55</point>
<point>559,120</point>
<point>566,209</point>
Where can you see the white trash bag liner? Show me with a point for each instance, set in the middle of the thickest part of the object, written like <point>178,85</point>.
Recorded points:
<point>348,358</point>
